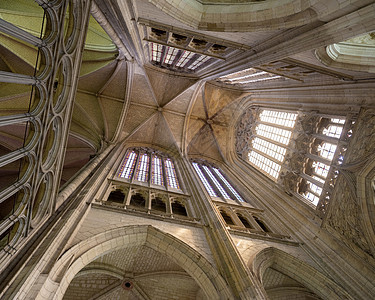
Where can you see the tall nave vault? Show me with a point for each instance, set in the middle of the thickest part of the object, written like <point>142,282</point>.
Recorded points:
<point>187,149</point>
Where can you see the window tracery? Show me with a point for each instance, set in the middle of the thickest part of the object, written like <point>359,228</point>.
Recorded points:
<point>215,182</point>
<point>301,151</point>
<point>150,167</point>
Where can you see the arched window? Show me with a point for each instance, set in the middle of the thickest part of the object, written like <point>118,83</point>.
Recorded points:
<point>244,221</point>
<point>215,183</point>
<point>116,196</point>
<point>261,225</point>
<point>178,209</point>
<point>227,218</point>
<point>158,204</point>
<point>147,165</point>
<point>298,150</point>
<point>138,200</point>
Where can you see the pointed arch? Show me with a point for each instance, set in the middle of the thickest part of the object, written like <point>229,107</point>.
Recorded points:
<point>88,250</point>
<point>298,270</point>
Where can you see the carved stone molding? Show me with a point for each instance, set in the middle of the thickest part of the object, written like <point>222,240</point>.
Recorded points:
<point>244,132</point>
<point>345,216</point>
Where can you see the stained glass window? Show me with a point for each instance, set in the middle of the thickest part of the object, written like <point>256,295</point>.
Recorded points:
<point>320,169</point>
<point>183,60</point>
<point>149,166</point>
<point>229,186</point>
<point>206,184</point>
<point>216,182</point>
<point>198,62</point>
<point>170,55</point>
<point>208,175</point>
<point>157,171</point>
<point>142,168</point>
<point>127,168</point>
<point>156,52</point>
<point>171,174</point>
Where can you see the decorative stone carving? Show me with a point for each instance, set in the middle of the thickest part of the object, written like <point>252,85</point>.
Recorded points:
<point>198,44</point>
<point>178,39</point>
<point>346,215</point>
<point>288,180</point>
<point>363,143</point>
<point>307,123</point>
<point>295,161</point>
<point>158,34</point>
<point>244,132</point>
<point>217,49</point>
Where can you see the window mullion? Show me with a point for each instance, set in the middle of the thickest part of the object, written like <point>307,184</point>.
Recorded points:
<point>271,141</point>
<point>311,179</point>
<point>209,180</point>
<point>326,138</point>
<point>319,159</point>
<point>258,122</point>
<point>212,180</point>
<point>225,185</point>
<point>132,178</point>
<point>151,162</point>
<point>266,155</point>
<point>164,171</point>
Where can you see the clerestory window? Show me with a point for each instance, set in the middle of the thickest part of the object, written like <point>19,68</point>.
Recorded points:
<point>215,182</point>
<point>147,166</point>
<point>322,159</point>
<point>268,145</point>
<point>302,158</point>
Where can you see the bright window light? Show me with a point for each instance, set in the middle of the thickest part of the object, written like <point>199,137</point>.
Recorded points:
<point>216,182</point>
<point>142,169</point>
<point>127,167</point>
<point>338,121</point>
<point>206,184</point>
<point>170,55</point>
<point>333,131</point>
<point>327,150</point>
<point>265,164</point>
<point>229,186</point>
<point>171,174</point>
<point>198,62</point>
<point>157,171</point>
<point>278,117</point>
<point>320,169</point>
<point>269,148</point>
<point>276,134</point>
<point>313,198</point>
<point>183,60</point>
<point>156,52</point>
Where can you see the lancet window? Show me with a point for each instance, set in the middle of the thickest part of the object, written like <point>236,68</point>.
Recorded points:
<point>300,151</point>
<point>149,166</point>
<point>215,182</point>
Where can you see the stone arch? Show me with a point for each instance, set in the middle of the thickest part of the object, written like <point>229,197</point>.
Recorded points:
<point>298,270</point>
<point>88,250</point>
